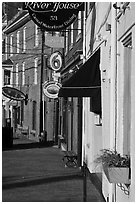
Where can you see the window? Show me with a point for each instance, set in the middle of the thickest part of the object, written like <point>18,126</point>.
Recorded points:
<point>72,34</point>
<point>35,70</point>
<point>6,44</point>
<point>22,112</point>
<point>66,42</point>
<point>6,77</point>
<point>11,45</point>
<point>34,115</point>
<point>57,33</point>
<point>24,39</point>
<point>3,46</point>
<point>23,73</point>
<point>36,36</point>
<point>79,22</point>
<point>17,74</point>
<point>89,6</point>
<point>18,115</point>
<point>18,38</point>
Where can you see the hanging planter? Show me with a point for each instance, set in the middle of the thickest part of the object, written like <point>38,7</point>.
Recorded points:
<point>115,166</point>
<point>117,174</point>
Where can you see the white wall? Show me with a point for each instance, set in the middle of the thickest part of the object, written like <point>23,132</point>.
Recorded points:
<point>96,138</point>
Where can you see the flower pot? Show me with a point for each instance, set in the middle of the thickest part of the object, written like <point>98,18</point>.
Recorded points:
<point>117,174</point>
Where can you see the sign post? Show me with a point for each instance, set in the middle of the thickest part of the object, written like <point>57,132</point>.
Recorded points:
<point>40,83</point>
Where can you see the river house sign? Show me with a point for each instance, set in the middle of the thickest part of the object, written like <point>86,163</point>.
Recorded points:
<point>53,16</point>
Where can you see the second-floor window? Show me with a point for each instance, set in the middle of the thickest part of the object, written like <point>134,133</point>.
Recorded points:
<point>36,36</point>
<point>6,47</point>
<point>66,42</point>
<point>6,77</point>
<point>18,41</point>
<point>11,45</point>
<point>24,39</point>
<point>3,46</point>
<point>72,34</point>
<point>23,73</point>
<point>17,74</point>
<point>79,22</point>
<point>35,70</point>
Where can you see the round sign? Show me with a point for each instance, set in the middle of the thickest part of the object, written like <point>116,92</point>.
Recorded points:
<point>13,93</point>
<point>51,89</point>
<point>53,16</point>
<point>56,61</point>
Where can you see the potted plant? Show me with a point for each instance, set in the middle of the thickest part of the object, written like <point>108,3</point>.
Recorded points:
<point>115,166</point>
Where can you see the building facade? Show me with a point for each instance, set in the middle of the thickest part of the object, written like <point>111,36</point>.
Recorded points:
<point>71,107</point>
<point>107,114</point>
<point>113,32</point>
<point>22,43</point>
<point>96,103</point>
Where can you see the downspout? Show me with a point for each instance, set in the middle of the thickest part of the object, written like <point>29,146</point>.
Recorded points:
<point>83,163</point>
<point>113,89</point>
<point>83,100</point>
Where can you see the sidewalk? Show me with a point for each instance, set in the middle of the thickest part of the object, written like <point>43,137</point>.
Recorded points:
<point>34,173</point>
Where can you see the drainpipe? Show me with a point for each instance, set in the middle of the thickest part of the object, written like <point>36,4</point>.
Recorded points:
<point>113,90</point>
<point>40,88</point>
<point>84,100</point>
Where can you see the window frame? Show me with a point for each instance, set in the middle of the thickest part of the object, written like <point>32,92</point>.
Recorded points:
<point>23,73</point>
<point>24,39</point>
<point>36,40</point>
<point>17,74</point>
<point>18,41</point>
<point>11,45</point>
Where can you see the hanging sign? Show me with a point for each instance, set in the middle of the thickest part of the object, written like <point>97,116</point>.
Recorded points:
<point>56,61</point>
<point>51,89</point>
<point>13,93</point>
<point>53,16</point>
<point>54,41</point>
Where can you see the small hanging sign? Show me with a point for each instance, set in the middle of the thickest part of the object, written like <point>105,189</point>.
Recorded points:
<point>54,41</point>
<point>13,93</point>
<point>51,89</point>
<point>56,61</point>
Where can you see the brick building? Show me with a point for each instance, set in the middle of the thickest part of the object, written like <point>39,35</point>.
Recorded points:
<point>22,44</point>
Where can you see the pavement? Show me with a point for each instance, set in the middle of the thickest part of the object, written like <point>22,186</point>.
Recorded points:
<point>36,173</point>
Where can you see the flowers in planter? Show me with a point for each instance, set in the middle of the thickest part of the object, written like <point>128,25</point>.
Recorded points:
<point>111,158</point>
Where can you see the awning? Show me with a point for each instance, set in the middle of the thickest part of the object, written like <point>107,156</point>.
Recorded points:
<point>86,81</point>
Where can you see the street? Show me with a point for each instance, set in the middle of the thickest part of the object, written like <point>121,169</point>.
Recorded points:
<point>34,173</point>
